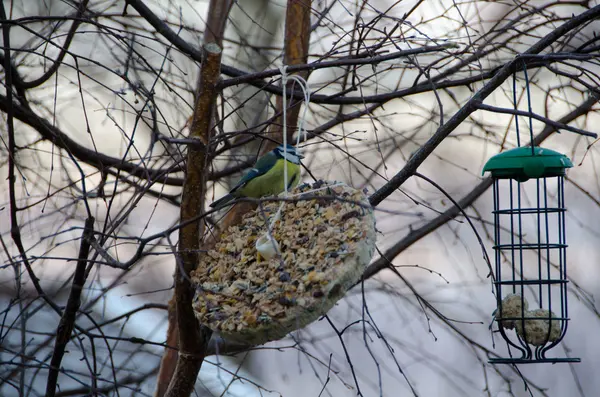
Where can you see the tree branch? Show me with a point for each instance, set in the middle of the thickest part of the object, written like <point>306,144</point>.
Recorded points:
<point>88,156</point>
<point>297,35</point>
<point>63,51</point>
<point>471,106</point>
<point>383,261</point>
<point>366,59</point>
<point>67,321</point>
<point>193,339</point>
<point>555,124</point>
<point>183,328</point>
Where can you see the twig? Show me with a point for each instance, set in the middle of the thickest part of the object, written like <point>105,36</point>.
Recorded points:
<point>423,153</point>
<point>15,230</point>
<point>67,321</point>
<point>555,124</point>
<point>63,52</point>
<point>89,156</point>
<point>350,61</point>
<point>383,261</point>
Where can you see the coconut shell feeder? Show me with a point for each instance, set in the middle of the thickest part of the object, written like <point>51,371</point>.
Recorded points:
<point>286,264</point>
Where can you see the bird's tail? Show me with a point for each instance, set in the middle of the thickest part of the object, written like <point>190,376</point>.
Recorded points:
<point>223,200</point>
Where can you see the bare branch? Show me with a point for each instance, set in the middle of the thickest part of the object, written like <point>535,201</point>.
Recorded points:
<point>417,234</point>
<point>417,159</point>
<point>67,321</point>
<point>192,338</point>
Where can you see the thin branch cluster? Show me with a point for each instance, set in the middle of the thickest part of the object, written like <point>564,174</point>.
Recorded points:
<point>99,104</point>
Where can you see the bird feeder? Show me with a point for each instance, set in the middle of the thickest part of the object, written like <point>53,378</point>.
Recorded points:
<point>530,252</point>
<point>286,263</point>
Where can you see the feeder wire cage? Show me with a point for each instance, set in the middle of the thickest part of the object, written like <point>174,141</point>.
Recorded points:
<point>530,235</point>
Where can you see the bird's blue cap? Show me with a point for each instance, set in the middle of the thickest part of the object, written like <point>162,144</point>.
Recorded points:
<point>290,149</point>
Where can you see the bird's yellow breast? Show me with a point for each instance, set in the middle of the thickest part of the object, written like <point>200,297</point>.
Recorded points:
<point>271,183</point>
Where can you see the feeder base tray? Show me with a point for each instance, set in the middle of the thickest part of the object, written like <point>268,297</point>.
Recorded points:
<point>533,361</point>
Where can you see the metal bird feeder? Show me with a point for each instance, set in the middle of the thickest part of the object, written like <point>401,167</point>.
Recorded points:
<point>530,252</point>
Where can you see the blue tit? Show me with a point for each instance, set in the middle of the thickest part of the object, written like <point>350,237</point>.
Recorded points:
<point>266,177</point>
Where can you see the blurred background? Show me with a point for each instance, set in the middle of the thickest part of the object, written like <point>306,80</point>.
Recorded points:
<point>100,105</point>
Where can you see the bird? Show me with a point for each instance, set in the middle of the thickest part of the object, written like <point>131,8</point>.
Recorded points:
<point>266,177</point>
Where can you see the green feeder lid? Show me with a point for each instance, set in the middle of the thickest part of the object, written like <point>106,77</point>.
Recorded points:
<point>522,164</point>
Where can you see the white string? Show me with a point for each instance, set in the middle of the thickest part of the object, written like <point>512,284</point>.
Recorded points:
<point>306,92</point>
<point>283,70</point>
